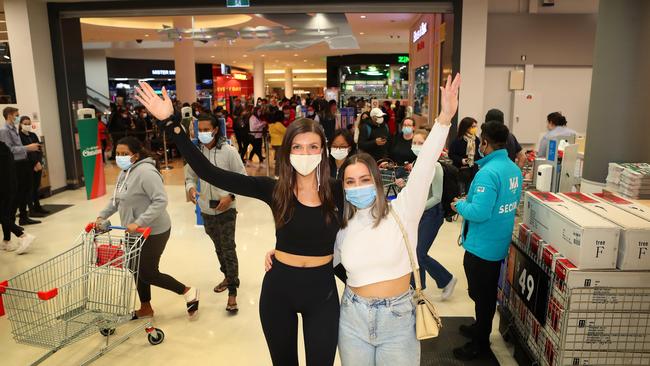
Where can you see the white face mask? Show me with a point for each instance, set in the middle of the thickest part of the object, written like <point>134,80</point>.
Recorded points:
<point>339,153</point>
<point>380,120</point>
<point>305,164</point>
<point>27,128</point>
<point>416,149</point>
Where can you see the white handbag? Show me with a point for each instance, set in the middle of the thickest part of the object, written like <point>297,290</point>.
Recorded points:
<point>427,320</point>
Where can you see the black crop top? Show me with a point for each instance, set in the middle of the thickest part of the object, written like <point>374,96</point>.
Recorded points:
<point>305,233</point>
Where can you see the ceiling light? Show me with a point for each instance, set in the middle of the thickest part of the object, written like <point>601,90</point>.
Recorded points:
<point>7,57</point>
<point>245,56</point>
<point>295,54</point>
<point>146,35</point>
<point>361,33</point>
<point>212,56</point>
<point>327,37</point>
<point>304,60</point>
<point>386,64</point>
<point>363,17</point>
<point>263,55</point>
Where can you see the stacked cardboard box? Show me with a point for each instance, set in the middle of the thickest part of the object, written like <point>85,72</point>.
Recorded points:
<point>629,179</point>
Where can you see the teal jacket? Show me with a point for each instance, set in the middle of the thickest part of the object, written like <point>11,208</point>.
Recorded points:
<point>489,210</point>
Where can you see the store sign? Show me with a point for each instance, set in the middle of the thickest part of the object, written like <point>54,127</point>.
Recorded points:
<point>223,89</point>
<point>418,33</point>
<point>163,72</point>
<point>238,3</point>
<point>403,59</point>
<point>240,76</point>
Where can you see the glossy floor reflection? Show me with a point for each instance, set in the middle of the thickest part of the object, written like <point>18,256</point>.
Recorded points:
<point>216,338</point>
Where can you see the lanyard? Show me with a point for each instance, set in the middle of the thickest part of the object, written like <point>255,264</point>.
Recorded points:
<point>119,187</point>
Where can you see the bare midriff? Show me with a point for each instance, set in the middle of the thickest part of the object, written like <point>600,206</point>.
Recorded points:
<point>302,260</point>
<point>384,289</point>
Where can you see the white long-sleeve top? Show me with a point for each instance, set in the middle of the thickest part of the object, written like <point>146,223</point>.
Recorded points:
<point>376,254</point>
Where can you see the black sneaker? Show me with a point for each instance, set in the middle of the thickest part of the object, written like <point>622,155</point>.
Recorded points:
<point>467,330</point>
<point>27,221</point>
<point>192,301</point>
<point>471,351</point>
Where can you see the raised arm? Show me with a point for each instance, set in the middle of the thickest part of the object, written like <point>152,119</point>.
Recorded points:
<point>255,187</point>
<point>410,202</point>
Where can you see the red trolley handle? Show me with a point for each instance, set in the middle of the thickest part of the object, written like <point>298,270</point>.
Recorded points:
<point>145,231</point>
<point>43,295</point>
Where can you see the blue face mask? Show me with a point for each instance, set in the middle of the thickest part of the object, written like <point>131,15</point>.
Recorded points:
<point>361,197</point>
<point>407,130</point>
<point>481,153</point>
<point>17,120</point>
<point>124,162</point>
<point>206,137</point>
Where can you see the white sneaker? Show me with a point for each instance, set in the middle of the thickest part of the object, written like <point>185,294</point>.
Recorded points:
<point>449,289</point>
<point>8,246</point>
<point>25,241</point>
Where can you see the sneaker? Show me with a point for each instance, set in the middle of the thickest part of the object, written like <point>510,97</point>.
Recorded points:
<point>192,301</point>
<point>25,241</point>
<point>449,289</point>
<point>8,246</point>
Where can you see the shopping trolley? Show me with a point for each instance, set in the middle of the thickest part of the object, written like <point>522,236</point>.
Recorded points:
<point>390,173</point>
<point>87,289</point>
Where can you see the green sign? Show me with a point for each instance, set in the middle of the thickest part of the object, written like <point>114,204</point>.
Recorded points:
<point>238,3</point>
<point>91,158</point>
<point>403,59</point>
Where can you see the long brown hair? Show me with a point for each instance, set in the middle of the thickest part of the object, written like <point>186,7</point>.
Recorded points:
<point>283,194</point>
<point>380,207</point>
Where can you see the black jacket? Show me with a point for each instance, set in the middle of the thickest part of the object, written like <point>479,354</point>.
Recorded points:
<point>8,168</point>
<point>400,150</point>
<point>368,133</point>
<point>458,151</point>
<point>31,138</point>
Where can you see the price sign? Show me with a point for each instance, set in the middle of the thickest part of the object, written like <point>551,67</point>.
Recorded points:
<point>531,283</point>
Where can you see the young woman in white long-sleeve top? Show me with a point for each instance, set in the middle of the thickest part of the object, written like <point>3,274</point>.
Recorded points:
<point>377,321</point>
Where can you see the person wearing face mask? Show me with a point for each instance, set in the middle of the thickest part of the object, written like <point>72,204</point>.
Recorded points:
<point>362,119</point>
<point>489,216</point>
<point>311,114</point>
<point>36,158</point>
<point>374,136</point>
<point>217,205</point>
<point>305,204</point>
<point>463,151</point>
<point>377,325</point>
<point>257,126</point>
<point>430,223</point>
<point>289,115</point>
<point>141,201</point>
<point>400,151</point>
<point>10,135</point>
<point>142,124</point>
<point>341,146</point>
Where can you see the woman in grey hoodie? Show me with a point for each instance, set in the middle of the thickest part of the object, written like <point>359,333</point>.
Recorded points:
<point>140,199</point>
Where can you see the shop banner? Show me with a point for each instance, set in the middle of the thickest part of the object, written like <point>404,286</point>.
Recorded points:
<point>91,158</point>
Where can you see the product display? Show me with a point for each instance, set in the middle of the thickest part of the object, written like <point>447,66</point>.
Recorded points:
<point>588,240</point>
<point>635,232</point>
<point>629,179</point>
<point>624,204</point>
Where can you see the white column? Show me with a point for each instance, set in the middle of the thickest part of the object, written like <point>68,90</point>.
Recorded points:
<point>472,60</point>
<point>258,79</point>
<point>33,69</point>
<point>288,82</point>
<point>184,64</point>
<point>96,70</point>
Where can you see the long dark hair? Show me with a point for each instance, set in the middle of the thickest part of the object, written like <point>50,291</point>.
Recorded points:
<point>380,207</point>
<point>135,146</point>
<point>464,125</point>
<point>283,194</point>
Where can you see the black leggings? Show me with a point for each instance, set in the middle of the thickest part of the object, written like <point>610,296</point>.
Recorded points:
<point>257,149</point>
<point>287,291</point>
<point>148,275</point>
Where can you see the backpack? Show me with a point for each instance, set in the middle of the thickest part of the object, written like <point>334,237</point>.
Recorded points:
<point>450,188</point>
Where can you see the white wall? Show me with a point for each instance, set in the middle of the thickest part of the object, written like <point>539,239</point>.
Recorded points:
<point>563,89</point>
<point>96,71</point>
<point>472,58</point>
<point>33,69</point>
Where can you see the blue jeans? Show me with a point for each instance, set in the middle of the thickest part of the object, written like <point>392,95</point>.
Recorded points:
<point>378,331</point>
<point>428,228</point>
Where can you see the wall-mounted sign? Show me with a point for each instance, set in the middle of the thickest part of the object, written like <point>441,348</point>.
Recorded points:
<point>418,33</point>
<point>403,59</point>
<point>163,72</point>
<point>240,76</point>
<point>238,3</point>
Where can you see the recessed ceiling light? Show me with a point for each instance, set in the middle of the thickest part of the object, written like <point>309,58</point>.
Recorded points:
<point>304,60</point>
<point>234,62</point>
<point>146,35</point>
<point>295,54</point>
<point>212,56</point>
<point>245,55</point>
<point>363,17</point>
<point>361,33</point>
<point>263,55</point>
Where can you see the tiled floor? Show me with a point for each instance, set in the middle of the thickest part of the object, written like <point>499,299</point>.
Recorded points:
<point>216,338</point>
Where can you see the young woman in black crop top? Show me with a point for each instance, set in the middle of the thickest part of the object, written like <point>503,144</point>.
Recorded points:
<point>306,206</point>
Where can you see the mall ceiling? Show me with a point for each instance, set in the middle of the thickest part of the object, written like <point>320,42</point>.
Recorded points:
<point>282,40</point>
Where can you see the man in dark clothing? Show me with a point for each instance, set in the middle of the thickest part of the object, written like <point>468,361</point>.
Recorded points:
<point>515,151</point>
<point>36,158</point>
<point>374,136</point>
<point>118,127</point>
